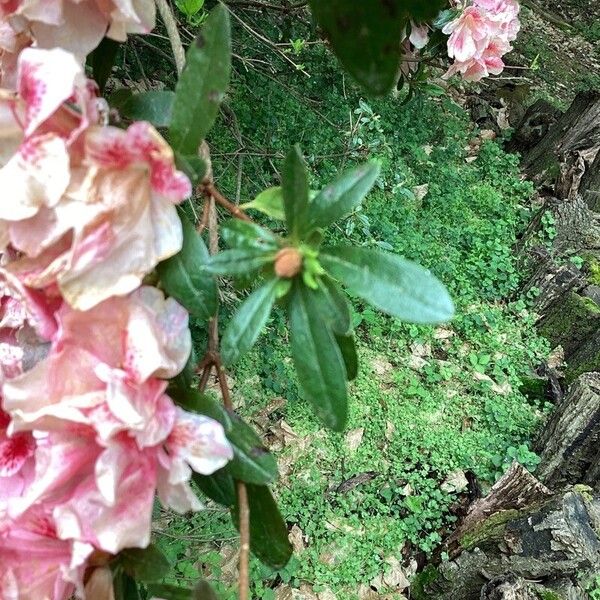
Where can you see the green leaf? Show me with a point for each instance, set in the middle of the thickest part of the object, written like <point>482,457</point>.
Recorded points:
<point>125,588</point>
<point>144,564</point>
<point>154,106</point>
<point>337,307</point>
<point>169,592</point>
<point>347,347</point>
<point>203,591</point>
<point>219,486</point>
<point>238,262</point>
<point>203,83</point>
<point>366,35</point>
<point>248,322</point>
<point>343,195</point>
<point>317,358</point>
<point>102,60</point>
<point>252,462</point>
<point>193,166</point>
<point>242,234</point>
<point>184,277</point>
<point>295,192</point>
<point>392,284</point>
<point>268,531</point>
<point>268,202</point>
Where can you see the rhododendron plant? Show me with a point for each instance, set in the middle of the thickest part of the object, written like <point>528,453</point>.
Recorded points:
<point>100,269</point>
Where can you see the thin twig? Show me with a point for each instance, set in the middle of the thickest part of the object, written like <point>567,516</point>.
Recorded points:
<point>209,190</point>
<point>212,359</point>
<point>166,15</point>
<point>266,5</point>
<point>244,540</point>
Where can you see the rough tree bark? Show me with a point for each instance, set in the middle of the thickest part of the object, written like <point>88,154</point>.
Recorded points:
<point>589,187</point>
<point>569,444</point>
<point>520,542</point>
<point>577,130</point>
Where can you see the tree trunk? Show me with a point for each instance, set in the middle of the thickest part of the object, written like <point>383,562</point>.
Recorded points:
<point>535,546</point>
<point>569,444</point>
<point>589,186</point>
<point>576,130</point>
<point>534,125</point>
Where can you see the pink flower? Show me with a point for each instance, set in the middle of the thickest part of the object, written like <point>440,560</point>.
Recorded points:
<point>78,25</point>
<point>37,129</point>
<point>419,35</point>
<point>35,564</point>
<point>468,34</point>
<point>114,223</point>
<point>108,439</point>
<point>480,36</point>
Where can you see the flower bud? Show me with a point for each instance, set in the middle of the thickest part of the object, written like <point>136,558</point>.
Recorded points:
<point>288,262</point>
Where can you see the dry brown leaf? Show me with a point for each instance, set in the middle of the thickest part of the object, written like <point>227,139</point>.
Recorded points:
<point>354,438</point>
<point>296,537</point>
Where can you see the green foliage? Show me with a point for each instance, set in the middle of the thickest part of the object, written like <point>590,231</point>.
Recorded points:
<point>364,35</point>
<point>390,283</point>
<point>184,276</point>
<point>154,106</point>
<point>202,85</point>
<point>268,531</point>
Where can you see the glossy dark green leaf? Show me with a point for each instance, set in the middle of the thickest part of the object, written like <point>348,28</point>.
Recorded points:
<point>248,322</point>
<point>269,202</point>
<point>219,486</point>
<point>347,347</point>
<point>124,586</point>
<point>392,284</point>
<point>144,564</point>
<point>295,192</point>
<point>268,531</point>
<point>366,35</point>
<point>342,196</point>
<point>337,307</point>
<point>154,106</point>
<point>242,234</point>
<point>184,277</point>
<point>203,83</point>
<point>203,591</point>
<point>317,358</point>
<point>239,262</point>
<point>102,60</point>
<point>252,462</point>
<point>169,592</point>
<point>193,166</point>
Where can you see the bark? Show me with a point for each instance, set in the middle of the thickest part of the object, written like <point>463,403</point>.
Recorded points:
<point>544,544</point>
<point>589,186</point>
<point>569,442</point>
<point>577,130</point>
<point>553,282</point>
<point>534,125</point>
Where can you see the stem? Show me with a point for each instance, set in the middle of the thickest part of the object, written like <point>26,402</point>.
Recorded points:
<point>213,359</point>
<point>210,191</point>
<point>168,19</point>
<point>244,579</point>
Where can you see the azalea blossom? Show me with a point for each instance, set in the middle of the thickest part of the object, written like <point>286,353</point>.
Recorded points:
<point>110,438</point>
<point>93,207</point>
<point>479,36</point>
<point>78,26</point>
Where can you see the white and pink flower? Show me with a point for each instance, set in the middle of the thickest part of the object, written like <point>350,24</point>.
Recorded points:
<point>480,36</point>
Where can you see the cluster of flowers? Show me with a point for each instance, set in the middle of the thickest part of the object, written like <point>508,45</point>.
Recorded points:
<point>88,435</point>
<point>479,36</point>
